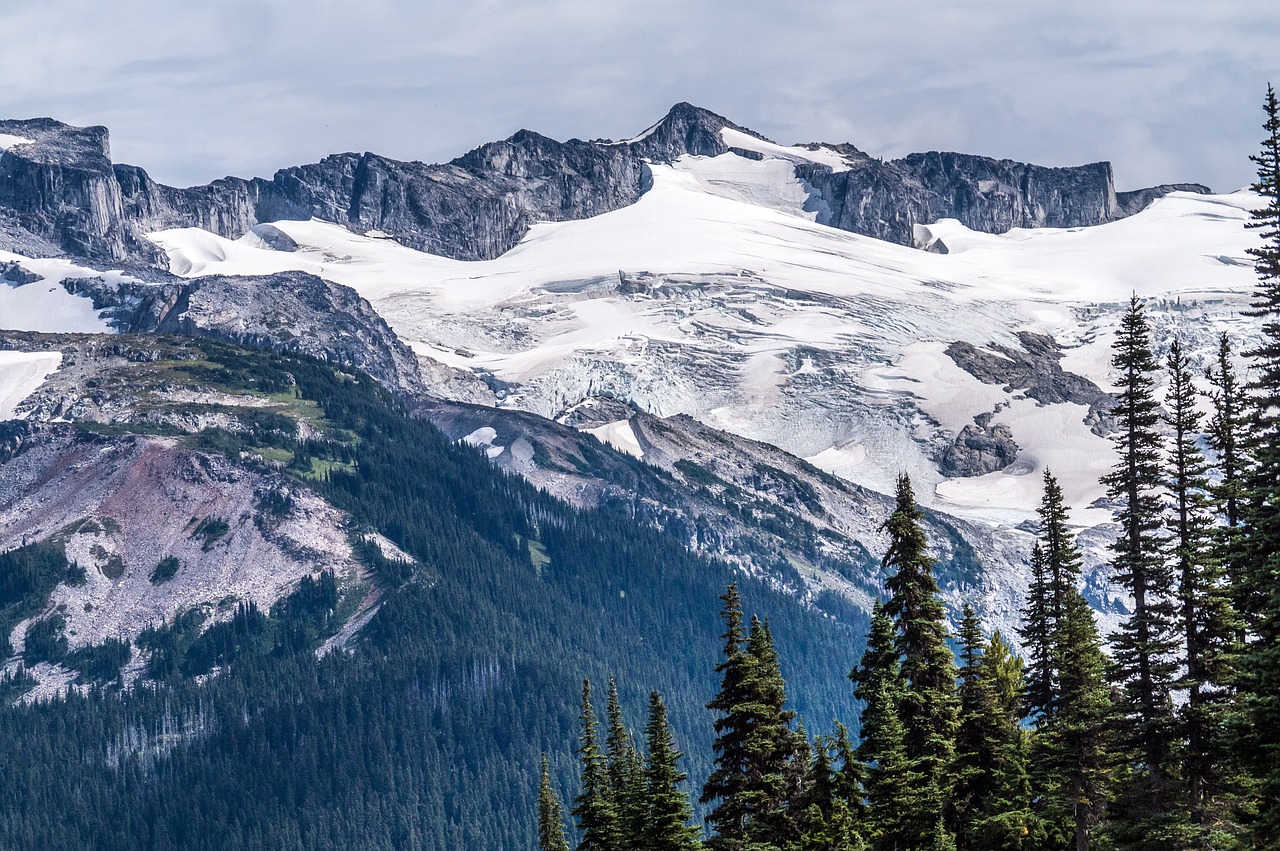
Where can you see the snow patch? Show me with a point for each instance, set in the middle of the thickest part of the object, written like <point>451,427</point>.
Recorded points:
<point>21,374</point>
<point>8,141</point>
<point>620,436</point>
<point>821,155</point>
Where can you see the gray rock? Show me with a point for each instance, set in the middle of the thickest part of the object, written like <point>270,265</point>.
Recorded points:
<point>979,449</point>
<point>62,194</point>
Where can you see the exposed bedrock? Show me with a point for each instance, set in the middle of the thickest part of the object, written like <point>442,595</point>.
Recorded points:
<point>61,194</point>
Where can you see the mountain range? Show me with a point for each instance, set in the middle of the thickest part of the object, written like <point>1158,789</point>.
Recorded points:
<point>728,345</point>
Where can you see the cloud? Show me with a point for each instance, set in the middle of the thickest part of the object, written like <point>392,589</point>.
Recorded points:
<point>1167,91</point>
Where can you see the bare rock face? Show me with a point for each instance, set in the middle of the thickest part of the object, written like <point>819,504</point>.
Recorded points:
<point>979,449</point>
<point>291,312</point>
<point>62,194</point>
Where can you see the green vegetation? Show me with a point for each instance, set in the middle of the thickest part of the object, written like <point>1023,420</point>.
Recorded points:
<point>166,569</point>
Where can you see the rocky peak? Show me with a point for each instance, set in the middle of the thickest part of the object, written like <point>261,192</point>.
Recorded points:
<point>58,144</point>
<point>686,129</point>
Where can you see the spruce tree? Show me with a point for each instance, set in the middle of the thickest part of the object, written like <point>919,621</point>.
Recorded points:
<point>1149,814</point>
<point>893,781</point>
<point>622,760</point>
<point>852,777</point>
<point>928,706</point>
<point>1206,616</point>
<point>1257,726</point>
<point>727,782</point>
<point>992,798</point>
<point>666,826</point>
<point>550,819</point>
<point>1073,747</point>
<point>756,748</point>
<point>1037,632</point>
<point>594,807</point>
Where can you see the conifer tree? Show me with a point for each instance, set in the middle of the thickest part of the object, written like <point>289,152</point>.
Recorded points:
<point>1257,727</point>
<point>1074,745</point>
<point>1205,612</point>
<point>624,763</point>
<point>550,819</point>
<point>666,826</point>
<point>928,706</point>
<point>728,780</point>
<point>1037,632</point>
<point>594,807</point>
<point>756,748</point>
<point>1149,813</point>
<point>893,781</point>
<point>851,780</point>
<point>991,799</point>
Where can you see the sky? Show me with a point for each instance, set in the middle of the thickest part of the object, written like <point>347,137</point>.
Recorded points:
<point>1167,90</point>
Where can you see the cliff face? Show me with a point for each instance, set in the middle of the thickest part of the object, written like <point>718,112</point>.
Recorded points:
<point>61,193</point>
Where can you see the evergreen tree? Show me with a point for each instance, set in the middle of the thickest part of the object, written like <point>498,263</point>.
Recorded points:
<point>550,820</point>
<point>756,748</point>
<point>594,807</point>
<point>1073,746</point>
<point>624,764</point>
<point>1149,814</point>
<point>666,825</point>
<point>851,780</point>
<point>1037,632</point>
<point>727,781</point>
<point>893,781</point>
<point>1062,559</point>
<point>928,706</point>
<point>1206,616</point>
<point>1257,727</point>
<point>992,799</point>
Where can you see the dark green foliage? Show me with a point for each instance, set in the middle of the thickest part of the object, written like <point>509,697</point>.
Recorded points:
<point>666,825</point>
<point>1256,722</point>
<point>225,641</point>
<point>928,706</point>
<point>165,570</point>
<point>1074,752</point>
<point>550,819</point>
<point>893,781</point>
<point>27,576</point>
<point>15,683</point>
<point>210,529</point>
<point>595,807</point>
<point>45,641</point>
<point>100,662</point>
<point>1149,812</point>
<point>1039,625</point>
<point>992,799</point>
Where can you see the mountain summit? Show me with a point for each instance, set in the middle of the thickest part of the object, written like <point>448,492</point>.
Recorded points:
<point>60,194</point>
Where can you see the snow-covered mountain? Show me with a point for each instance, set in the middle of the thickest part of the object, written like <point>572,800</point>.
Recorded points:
<point>773,305</point>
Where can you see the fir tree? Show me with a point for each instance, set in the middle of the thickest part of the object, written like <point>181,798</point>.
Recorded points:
<point>666,826</point>
<point>594,807</point>
<point>1205,611</point>
<point>893,781</point>
<point>623,762</point>
<point>550,819</point>
<point>851,780</point>
<point>1149,814</point>
<point>728,780</point>
<point>1257,727</point>
<point>928,705</point>
<point>1074,746</point>
<point>1037,632</point>
<point>992,800</point>
<point>755,746</point>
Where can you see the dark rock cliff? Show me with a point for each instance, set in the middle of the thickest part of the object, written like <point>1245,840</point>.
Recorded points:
<point>61,194</point>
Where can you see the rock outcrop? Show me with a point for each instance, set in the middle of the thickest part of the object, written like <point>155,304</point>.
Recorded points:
<point>291,312</point>
<point>60,193</point>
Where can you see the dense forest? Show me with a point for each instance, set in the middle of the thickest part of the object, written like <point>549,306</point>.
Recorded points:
<point>1164,735</point>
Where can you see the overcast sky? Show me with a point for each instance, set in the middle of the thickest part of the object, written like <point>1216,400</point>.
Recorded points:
<point>1167,90</point>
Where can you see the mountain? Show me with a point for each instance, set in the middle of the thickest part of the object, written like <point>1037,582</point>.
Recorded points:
<point>405,450</point>
<point>61,194</point>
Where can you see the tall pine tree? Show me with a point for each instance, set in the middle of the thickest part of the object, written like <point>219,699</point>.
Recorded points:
<point>666,826</point>
<point>893,783</point>
<point>928,707</point>
<point>727,784</point>
<point>1258,680</point>
<point>550,818</point>
<point>1205,612</point>
<point>594,807</point>
<point>1150,813</point>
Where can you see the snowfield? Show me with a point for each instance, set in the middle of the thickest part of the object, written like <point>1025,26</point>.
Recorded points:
<point>718,295</point>
<point>21,374</point>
